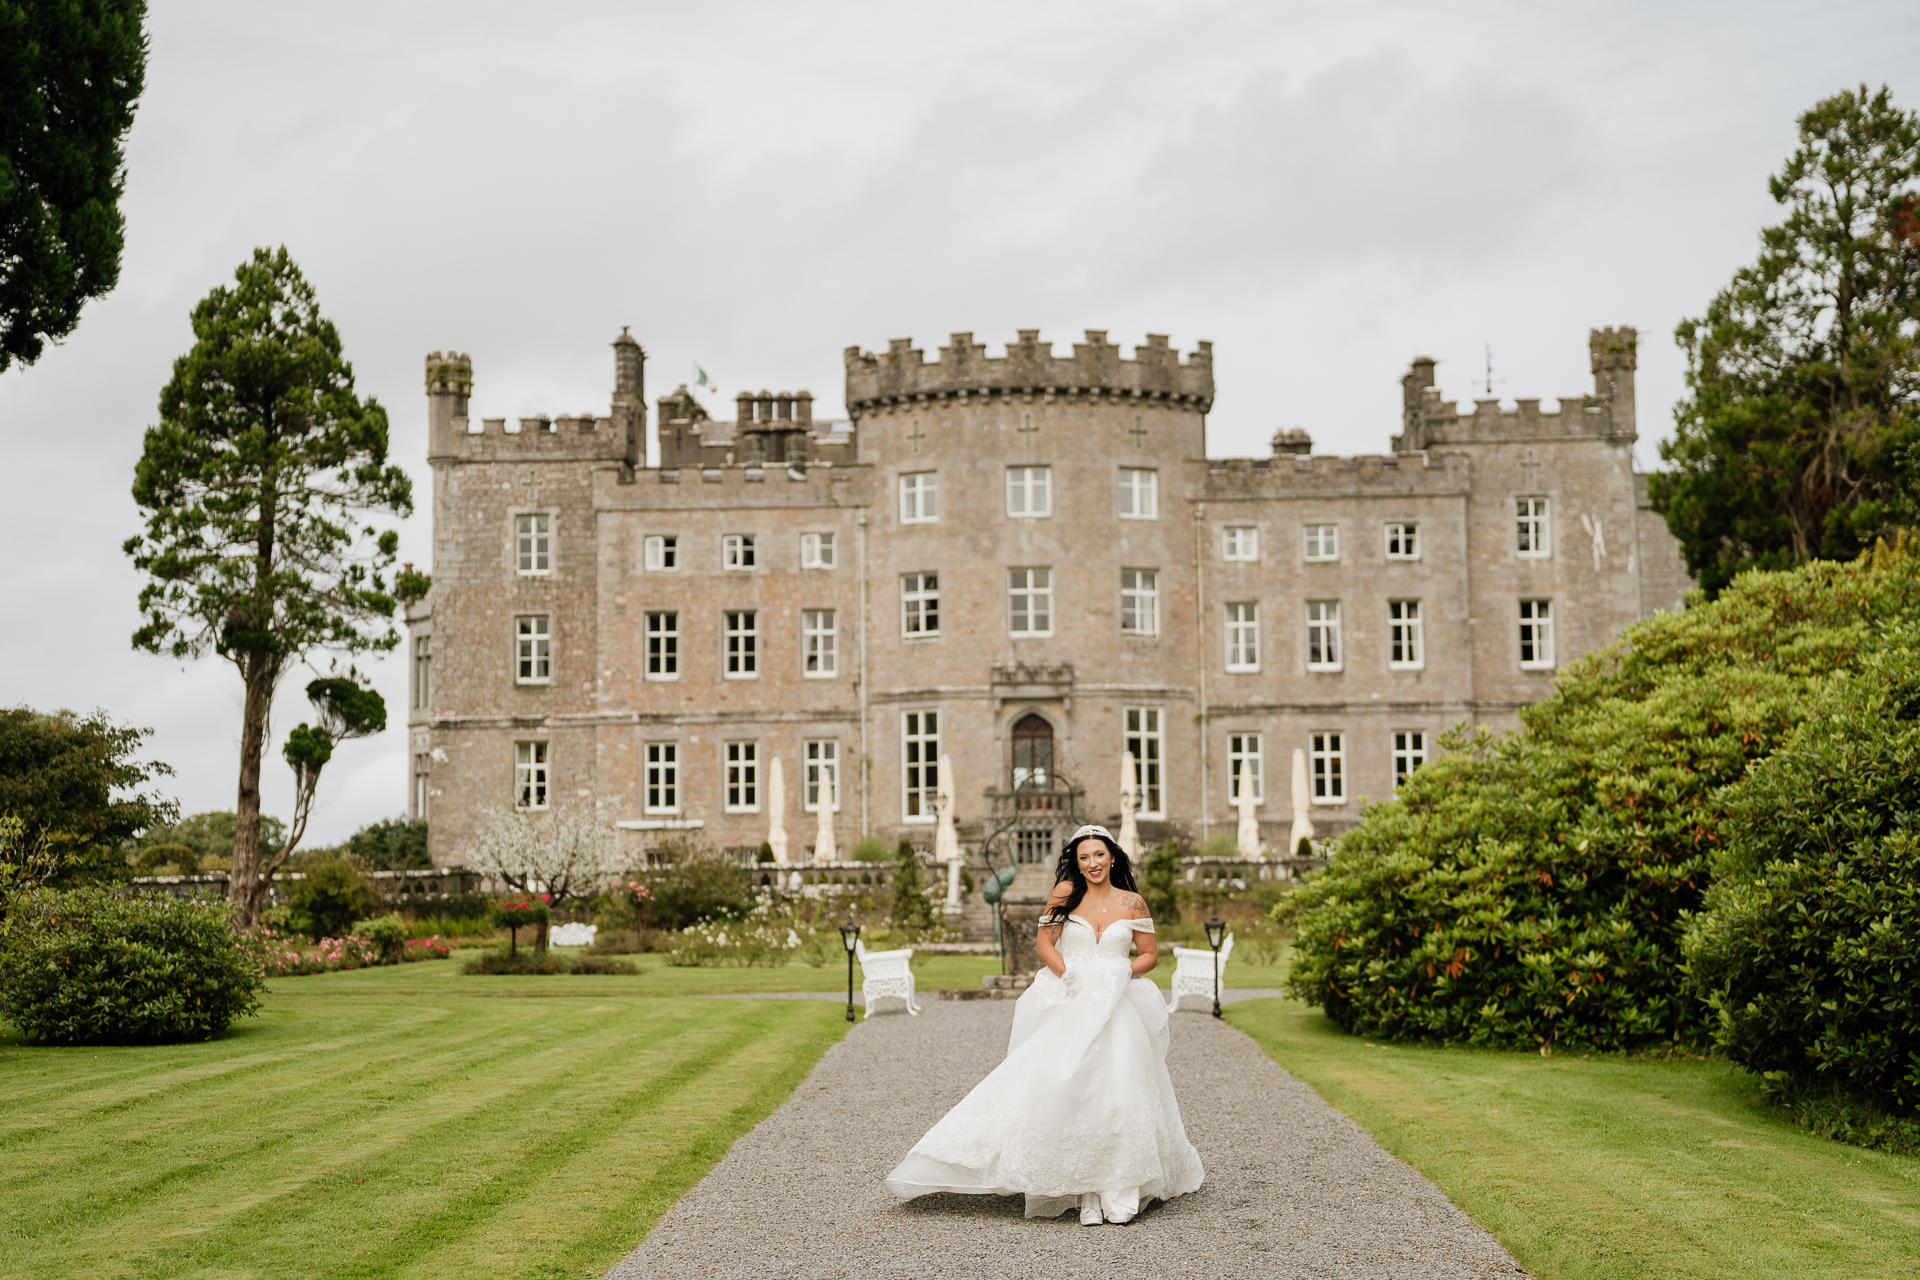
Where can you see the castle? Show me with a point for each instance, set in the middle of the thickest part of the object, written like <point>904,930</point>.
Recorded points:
<point>1027,563</point>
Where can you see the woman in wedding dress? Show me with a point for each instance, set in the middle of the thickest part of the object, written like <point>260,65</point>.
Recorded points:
<point>1081,1114</point>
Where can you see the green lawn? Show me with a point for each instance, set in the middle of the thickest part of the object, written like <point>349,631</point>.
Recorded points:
<point>1612,1167</point>
<point>397,1122</point>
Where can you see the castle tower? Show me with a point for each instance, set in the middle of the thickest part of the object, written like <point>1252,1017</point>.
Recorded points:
<point>629,397</point>
<point>1615,354</point>
<point>449,385</point>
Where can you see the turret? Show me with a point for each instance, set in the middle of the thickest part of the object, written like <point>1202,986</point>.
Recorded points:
<point>1615,355</point>
<point>901,375</point>
<point>449,386</point>
<point>629,391</point>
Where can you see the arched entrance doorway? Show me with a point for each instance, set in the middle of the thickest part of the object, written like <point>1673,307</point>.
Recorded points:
<point>1033,786</point>
<point>1032,754</point>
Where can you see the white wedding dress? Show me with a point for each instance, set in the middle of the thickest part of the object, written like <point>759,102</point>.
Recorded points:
<point>1081,1115</point>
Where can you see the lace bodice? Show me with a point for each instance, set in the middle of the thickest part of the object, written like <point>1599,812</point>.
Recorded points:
<point>1086,943</point>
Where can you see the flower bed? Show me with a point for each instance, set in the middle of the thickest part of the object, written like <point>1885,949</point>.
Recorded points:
<point>281,955</point>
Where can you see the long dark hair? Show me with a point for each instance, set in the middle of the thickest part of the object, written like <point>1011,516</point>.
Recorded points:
<point>1120,877</point>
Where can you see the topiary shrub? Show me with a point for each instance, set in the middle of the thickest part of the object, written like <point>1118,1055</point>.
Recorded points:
<point>1531,890</point>
<point>912,912</point>
<point>1158,881</point>
<point>516,913</point>
<point>91,967</point>
<point>1810,947</point>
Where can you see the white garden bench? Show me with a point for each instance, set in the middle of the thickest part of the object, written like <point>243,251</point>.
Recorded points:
<point>886,975</point>
<point>1193,972</point>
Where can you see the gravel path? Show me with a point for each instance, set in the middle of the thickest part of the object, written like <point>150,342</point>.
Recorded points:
<point>1293,1187</point>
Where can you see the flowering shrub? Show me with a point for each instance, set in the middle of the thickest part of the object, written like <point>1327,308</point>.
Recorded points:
<point>637,894</point>
<point>757,944</point>
<point>280,955</point>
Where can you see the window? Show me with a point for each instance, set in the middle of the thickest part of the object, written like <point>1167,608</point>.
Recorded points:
<point>530,775</point>
<point>663,646</point>
<point>663,777</point>
<point>1032,753</point>
<point>919,604</point>
<point>532,537</point>
<point>920,736</point>
<point>1030,602</point>
<point>662,552</point>
<point>1329,757</point>
<point>817,642</point>
<point>1536,633</point>
<point>1403,542</point>
<point>1143,744</point>
<point>919,497</point>
<point>823,771</point>
<point>1243,767</point>
<point>816,551</point>
<point>1323,542</point>
<point>1243,637</point>
<point>1323,635</point>
<point>422,792</point>
<point>1530,527</point>
<point>743,644</point>
<point>1404,649</point>
<point>1240,542</point>
<point>1140,602</point>
<point>1409,753</point>
<point>533,650</point>
<point>743,777</point>
<point>422,670</point>
<point>736,551</point>
<point>1139,494</point>
<point>1029,491</point>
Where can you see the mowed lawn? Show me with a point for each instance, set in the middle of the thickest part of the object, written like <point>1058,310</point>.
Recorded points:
<point>405,1122</point>
<point>1612,1167</point>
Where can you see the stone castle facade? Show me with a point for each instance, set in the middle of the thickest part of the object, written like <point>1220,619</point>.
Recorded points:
<point>1027,563</point>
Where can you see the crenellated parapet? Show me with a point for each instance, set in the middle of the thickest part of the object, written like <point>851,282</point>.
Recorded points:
<point>901,375</point>
<point>1607,414</point>
<point>1322,475</point>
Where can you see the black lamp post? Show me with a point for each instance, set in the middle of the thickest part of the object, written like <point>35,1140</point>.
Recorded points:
<point>850,935</point>
<point>1216,934</point>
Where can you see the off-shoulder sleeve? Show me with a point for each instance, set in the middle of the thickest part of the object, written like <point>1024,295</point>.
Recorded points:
<point>1142,925</point>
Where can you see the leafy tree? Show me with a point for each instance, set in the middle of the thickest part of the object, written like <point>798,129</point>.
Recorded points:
<point>70,74</point>
<point>1158,879</point>
<point>252,484</point>
<point>1803,377</point>
<point>392,844</point>
<point>209,839</point>
<point>26,863</point>
<point>59,775</point>
<point>330,895</point>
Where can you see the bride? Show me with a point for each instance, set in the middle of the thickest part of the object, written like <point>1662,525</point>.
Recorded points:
<point>1081,1114</point>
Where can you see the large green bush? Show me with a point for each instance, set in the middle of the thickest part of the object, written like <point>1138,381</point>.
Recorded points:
<point>89,966</point>
<point>699,885</point>
<point>1530,890</point>
<point>332,895</point>
<point>1810,951</point>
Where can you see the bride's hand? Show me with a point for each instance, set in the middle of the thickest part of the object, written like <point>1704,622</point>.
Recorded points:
<point>1071,982</point>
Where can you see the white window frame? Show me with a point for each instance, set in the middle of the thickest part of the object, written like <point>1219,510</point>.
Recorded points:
<point>1244,763</point>
<point>919,497</point>
<point>662,781</point>
<point>1140,602</point>
<point>661,552</point>
<point>1402,540</point>
<point>533,648</point>
<point>740,659</point>
<point>1536,635</point>
<point>1406,638</point>
<point>1243,635</point>
<point>920,604</point>
<point>1240,542</point>
<point>1533,538</point>
<point>820,659</point>
<point>1141,732</point>
<point>919,764</point>
<point>1029,492</point>
<point>663,644</point>
<point>822,757</point>
<point>1320,543</point>
<point>533,543</point>
<point>741,761</point>
<point>532,774</point>
<point>738,554</point>
<point>1409,753</point>
<point>816,551</point>
<point>1030,597</point>
<point>1139,493</point>
<point>1324,651</point>
<point>1327,766</point>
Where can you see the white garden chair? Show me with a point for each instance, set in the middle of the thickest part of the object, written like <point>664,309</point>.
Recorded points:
<point>886,975</point>
<point>1193,972</point>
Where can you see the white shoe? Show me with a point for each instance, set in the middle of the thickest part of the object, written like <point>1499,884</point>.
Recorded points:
<point>1090,1215</point>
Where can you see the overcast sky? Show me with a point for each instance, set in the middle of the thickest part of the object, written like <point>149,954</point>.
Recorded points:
<point>1323,190</point>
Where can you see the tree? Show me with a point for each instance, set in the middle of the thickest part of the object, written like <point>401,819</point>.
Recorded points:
<point>252,483</point>
<point>59,775</point>
<point>1157,884</point>
<point>911,910</point>
<point>392,844</point>
<point>567,854</point>
<point>208,840</point>
<point>1803,377</point>
<point>345,711</point>
<point>69,77</point>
